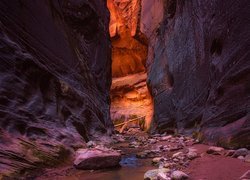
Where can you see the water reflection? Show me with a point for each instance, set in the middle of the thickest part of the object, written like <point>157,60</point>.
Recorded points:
<point>130,161</point>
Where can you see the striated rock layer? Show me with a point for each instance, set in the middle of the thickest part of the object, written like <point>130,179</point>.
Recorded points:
<point>129,45</point>
<point>55,75</point>
<point>199,68</point>
<point>130,98</point>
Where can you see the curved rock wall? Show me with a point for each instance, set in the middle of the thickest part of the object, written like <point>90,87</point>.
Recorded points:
<point>55,75</point>
<point>199,69</point>
<point>129,45</point>
<point>129,93</point>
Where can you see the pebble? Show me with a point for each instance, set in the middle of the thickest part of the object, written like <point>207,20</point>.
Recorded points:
<point>176,160</point>
<point>142,155</point>
<point>192,155</point>
<point>167,165</point>
<point>152,141</point>
<point>241,157</point>
<point>177,155</point>
<point>163,176</point>
<point>240,152</point>
<point>157,160</point>
<point>247,158</point>
<point>179,175</point>
<point>166,138</point>
<point>215,150</point>
<point>153,174</point>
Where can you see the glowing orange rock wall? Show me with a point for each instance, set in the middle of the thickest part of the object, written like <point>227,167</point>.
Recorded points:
<point>129,45</point>
<point>129,92</point>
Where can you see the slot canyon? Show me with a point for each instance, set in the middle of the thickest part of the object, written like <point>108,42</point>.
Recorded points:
<point>125,89</point>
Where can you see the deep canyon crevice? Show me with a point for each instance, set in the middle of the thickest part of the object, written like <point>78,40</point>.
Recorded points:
<point>185,61</point>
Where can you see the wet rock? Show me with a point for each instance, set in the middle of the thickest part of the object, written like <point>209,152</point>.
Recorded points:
<point>179,175</point>
<point>96,158</point>
<point>152,141</point>
<point>160,147</point>
<point>215,150</point>
<point>245,176</point>
<point>192,155</point>
<point>176,160</point>
<point>141,155</point>
<point>178,155</point>
<point>165,138</point>
<point>167,165</point>
<point>240,152</point>
<point>134,144</point>
<point>153,174</point>
<point>176,148</point>
<point>157,160</point>
<point>247,158</point>
<point>241,157</point>
<point>163,176</point>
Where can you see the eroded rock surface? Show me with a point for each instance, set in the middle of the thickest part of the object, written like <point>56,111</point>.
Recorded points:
<point>129,93</point>
<point>198,68</point>
<point>96,158</point>
<point>55,75</point>
<point>130,99</point>
<point>129,45</point>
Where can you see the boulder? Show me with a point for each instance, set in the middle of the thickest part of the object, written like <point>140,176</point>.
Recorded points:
<point>166,138</point>
<point>241,158</point>
<point>247,158</point>
<point>240,152</point>
<point>192,155</point>
<point>163,176</point>
<point>153,174</point>
<point>215,150</point>
<point>177,155</point>
<point>157,160</point>
<point>179,175</point>
<point>96,158</point>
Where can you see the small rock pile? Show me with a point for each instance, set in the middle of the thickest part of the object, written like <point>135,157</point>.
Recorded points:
<point>177,156</point>
<point>242,153</point>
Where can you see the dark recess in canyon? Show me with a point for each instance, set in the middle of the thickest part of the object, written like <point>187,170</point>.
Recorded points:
<point>187,60</point>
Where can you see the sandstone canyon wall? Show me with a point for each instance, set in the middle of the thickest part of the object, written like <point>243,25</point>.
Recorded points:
<point>55,75</point>
<point>129,93</point>
<point>199,69</point>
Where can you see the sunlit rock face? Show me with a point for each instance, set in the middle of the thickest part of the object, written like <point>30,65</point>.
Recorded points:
<point>129,45</point>
<point>55,75</point>
<point>199,68</point>
<point>131,99</point>
<point>129,93</point>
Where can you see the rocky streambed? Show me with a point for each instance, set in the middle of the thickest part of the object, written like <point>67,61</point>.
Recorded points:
<point>160,157</point>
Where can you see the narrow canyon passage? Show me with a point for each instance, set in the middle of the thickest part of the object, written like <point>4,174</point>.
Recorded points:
<point>124,89</point>
<point>130,98</point>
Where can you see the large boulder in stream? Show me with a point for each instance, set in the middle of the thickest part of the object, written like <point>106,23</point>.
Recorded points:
<point>96,158</point>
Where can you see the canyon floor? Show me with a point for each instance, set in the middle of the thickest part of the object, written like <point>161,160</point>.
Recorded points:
<point>142,152</point>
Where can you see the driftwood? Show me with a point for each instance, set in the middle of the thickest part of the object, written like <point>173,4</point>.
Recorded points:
<point>123,125</point>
